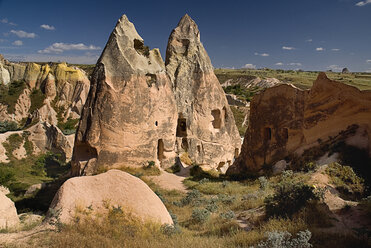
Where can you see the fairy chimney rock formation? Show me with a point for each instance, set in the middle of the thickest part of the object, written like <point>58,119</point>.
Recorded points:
<point>130,115</point>
<point>285,120</point>
<point>206,129</point>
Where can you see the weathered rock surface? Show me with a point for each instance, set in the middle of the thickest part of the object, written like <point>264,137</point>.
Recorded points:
<point>114,188</point>
<point>251,82</point>
<point>8,213</point>
<point>130,115</point>
<point>286,120</point>
<point>69,84</point>
<point>206,128</point>
<point>234,101</point>
<point>44,137</point>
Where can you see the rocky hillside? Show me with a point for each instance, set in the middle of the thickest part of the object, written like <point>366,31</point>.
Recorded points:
<point>53,93</point>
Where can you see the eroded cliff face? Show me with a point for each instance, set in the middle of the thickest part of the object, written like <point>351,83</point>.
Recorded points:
<point>206,129</point>
<point>285,120</point>
<point>64,86</point>
<point>130,116</point>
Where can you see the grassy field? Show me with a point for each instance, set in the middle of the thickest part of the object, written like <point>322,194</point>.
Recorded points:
<point>208,216</point>
<point>301,79</point>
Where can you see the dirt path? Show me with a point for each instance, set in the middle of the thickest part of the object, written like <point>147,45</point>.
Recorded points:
<point>21,237</point>
<point>172,181</point>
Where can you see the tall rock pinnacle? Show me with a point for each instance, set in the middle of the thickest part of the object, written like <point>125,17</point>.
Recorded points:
<point>206,128</point>
<point>130,115</point>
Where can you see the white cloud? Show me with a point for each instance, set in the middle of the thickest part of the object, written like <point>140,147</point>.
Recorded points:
<point>23,34</point>
<point>335,49</point>
<point>262,54</point>
<point>363,3</point>
<point>309,40</point>
<point>18,43</point>
<point>5,21</point>
<point>249,66</point>
<point>47,27</point>
<point>288,48</point>
<point>368,61</point>
<point>320,49</point>
<point>295,64</point>
<point>60,47</point>
<point>279,63</point>
<point>335,68</point>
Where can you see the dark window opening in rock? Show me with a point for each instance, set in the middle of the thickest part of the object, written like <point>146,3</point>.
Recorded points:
<point>185,144</point>
<point>217,122</point>
<point>285,134</point>
<point>160,150</point>
<point>221,164</point>
<point>156,123</point>
<point>181,130</point>
<point>141,48</point>
<point>151,79</point>
<point>199,149</point>
<point>236,152</point>
<point>267,134</point>
<point>225,114</point>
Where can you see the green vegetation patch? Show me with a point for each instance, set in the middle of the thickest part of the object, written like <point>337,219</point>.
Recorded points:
<point>239,117</point>
<point>13,142</point>
<point>9,94</point>
<point>37,99</point>
<point>241,92</point>
<point>346,180</point>
<point>6,126</point>
<point>68,127</point>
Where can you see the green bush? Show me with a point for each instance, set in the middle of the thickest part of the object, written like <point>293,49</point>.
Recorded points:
<point>6,175</point>
<point>192,197</point>
<point>200,215</point>
<point>228,215</point>
<point>263,182</point>
<point>37,100</point>
<point>285,240</point>
<point>289,197</point>
<point>9,94</point>
<point>346,180</point>
<point>6,126</point>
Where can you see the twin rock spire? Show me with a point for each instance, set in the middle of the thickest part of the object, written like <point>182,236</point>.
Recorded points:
<point>141,110</point>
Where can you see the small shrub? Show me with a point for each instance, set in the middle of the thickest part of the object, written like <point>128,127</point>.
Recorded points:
<point>170,230</point>
<point>200,215</point>
<point>191,197</point>
<point>204,180</point>
<point>226,199</point>
<point>263,183</point>
<point>346,180</point>
<point>310,166</point>
<point>289,198</point>
<point>212,206</point>
<point>6,126</point>
<point>225,184</point>
<point>228,215</point>
<point>174,169</point>
<point>284,240</point>
<point>151,164</point>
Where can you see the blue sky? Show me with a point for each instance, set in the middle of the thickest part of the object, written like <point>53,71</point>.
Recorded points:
<point>287,34</point>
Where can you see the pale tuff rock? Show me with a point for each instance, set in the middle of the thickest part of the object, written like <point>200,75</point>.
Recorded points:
<point>251,82</point>
<point>69,84</point>
<point>130,115</point>
<point>44,137</point>
<point>111,189</point>
<point>45,114</point>
<point>8,213</point>
<point>206,128</point>
<point>286,120</point>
